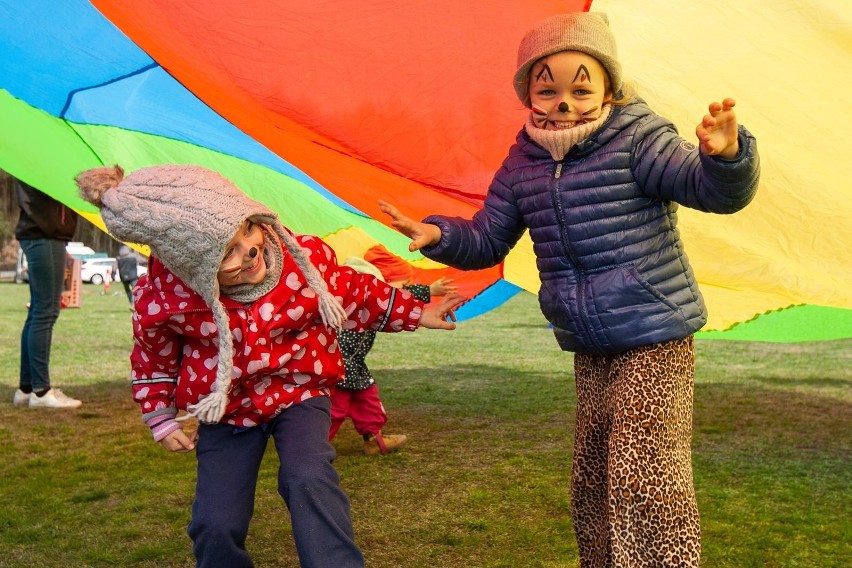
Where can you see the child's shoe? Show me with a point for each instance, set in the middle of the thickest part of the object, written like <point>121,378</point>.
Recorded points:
<point>379,444</point>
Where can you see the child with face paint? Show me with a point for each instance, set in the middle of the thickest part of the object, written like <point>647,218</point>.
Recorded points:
<point>596,177</point>
<point>236,322</point>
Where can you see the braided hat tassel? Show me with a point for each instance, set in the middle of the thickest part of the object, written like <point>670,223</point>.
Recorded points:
<point>331,312</point>
<point>211,408</point>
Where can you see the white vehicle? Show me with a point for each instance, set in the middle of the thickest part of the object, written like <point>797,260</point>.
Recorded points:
<point>79,250</point>
<point>97,270</point>
<point>74,249</point>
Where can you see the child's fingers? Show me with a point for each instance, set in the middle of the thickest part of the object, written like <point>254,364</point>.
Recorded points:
<point>726,105</point>
<point>391,211</point>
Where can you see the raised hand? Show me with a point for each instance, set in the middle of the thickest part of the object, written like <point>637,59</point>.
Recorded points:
<point>442,286</point>
<point>717,133</point>
<point>421,234</point>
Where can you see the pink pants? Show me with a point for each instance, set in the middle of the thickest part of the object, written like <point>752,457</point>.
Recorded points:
<point>364,407</point>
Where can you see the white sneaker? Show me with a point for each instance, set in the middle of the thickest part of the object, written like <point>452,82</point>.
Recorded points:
<point>21,398</point>
<point>54,398</point>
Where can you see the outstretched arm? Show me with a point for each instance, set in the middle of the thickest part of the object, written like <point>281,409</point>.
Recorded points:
<point>421,234</point>
<point>717,133</point>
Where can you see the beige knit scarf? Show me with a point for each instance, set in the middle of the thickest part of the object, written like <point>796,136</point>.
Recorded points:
<point>559,142</point>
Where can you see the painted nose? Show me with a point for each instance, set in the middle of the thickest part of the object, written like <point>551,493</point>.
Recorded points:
<point>563,107</point>
<point>253,252</point>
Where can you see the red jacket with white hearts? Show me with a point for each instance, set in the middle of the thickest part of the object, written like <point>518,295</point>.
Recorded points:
<point>283,353</point>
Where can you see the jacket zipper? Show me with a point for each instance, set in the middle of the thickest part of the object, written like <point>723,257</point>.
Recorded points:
<point>557,205</point>
<point>566,246</point>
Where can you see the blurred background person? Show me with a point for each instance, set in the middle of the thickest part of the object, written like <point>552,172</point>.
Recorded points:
<point>44,228</point>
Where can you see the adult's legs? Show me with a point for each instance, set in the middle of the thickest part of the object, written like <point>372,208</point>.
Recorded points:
<point>46,267</point>
<point>309,484</point>
<point>228,465</point>
<point>128,288</point>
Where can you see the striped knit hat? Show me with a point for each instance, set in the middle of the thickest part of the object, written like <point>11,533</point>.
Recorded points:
<point>188,215</point>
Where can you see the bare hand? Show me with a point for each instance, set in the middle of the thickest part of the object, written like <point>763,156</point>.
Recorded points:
<point>441,287</point>
<point>179,442</point>
<point>421,234</point>
<point>441,316</point>
<point>717,133</point>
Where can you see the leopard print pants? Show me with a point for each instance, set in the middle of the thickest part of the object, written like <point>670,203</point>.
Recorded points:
<point>632,495</point>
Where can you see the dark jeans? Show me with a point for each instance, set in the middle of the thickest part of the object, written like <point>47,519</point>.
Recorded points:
<point>228,466</point>
<point>128,288</point>
<point>46,267</point>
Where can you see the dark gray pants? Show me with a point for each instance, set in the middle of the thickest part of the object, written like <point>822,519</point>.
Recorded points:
<point>228,465</point>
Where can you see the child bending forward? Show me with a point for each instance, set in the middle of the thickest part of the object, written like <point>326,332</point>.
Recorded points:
<point>236,322</point>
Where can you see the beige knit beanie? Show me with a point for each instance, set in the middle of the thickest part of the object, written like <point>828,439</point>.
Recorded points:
<point>188,215</point>
<point>587,32</point>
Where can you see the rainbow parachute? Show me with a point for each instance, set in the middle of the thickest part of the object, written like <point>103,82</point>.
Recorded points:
<point>320,109</point>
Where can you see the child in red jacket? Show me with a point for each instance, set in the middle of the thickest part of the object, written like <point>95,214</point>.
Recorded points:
<point>236,322</point>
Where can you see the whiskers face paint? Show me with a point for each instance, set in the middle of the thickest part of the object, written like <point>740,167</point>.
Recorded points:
<point>566,89</point>
<point>539,116</point>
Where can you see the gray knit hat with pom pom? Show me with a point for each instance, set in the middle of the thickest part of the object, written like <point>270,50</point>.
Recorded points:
<point>188,215</point>
<point>587,32</point>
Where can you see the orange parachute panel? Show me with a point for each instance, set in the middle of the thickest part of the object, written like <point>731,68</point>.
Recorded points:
<point>336,88</point>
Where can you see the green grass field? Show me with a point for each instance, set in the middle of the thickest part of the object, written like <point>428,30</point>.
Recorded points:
<point>489,411</point>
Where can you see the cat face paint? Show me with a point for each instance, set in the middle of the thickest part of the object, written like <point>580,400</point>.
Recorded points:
<point>570,77</point>
<point>243,262</point>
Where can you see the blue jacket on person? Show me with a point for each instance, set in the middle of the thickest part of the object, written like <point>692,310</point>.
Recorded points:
<point>603,221</point>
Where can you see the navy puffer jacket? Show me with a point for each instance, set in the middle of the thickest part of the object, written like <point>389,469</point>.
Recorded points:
<point>603,221</point>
